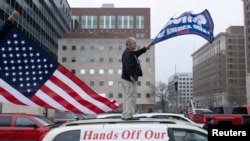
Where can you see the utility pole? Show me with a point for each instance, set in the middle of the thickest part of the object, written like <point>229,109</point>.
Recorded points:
<point>176,91</point>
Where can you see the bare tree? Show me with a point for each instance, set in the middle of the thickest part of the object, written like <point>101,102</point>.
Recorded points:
<point>160,91</point>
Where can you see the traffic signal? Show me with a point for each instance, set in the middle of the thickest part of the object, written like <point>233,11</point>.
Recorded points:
<point>176,86</point>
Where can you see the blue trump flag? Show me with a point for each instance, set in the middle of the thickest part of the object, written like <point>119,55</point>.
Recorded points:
<point>187,23</point>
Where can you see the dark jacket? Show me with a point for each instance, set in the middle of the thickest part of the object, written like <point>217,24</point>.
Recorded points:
<point>130,63</point>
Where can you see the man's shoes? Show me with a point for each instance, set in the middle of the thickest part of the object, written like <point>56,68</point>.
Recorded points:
<point>132,118</point>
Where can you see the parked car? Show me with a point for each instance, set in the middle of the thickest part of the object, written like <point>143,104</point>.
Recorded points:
<point>203,111</point>
<point>144,129</point>
<point>25,127</point>
<point>64,116</point>
<point>168,116</point>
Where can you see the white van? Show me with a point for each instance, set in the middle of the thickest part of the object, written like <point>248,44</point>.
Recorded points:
<point>129,130</point>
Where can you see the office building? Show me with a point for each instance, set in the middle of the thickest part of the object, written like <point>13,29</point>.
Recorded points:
<point>180,90</point>
<point>219,70</point>
<point>246,9</point>
<point>94,48</point>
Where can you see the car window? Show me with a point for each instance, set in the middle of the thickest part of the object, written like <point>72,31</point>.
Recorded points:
<point>188,135</point>
<point>240,110</point>
<point>73,135</point>
<point>65,116</point>
<point>44,121</point>
<point>202,111</point>
<point>5,121</point>
<point>59,115</point>
<point>24,122</point>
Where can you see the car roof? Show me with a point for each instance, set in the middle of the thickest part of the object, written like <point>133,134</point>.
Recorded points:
<point>151,114</point>
<point>113,124</point>
<point>118,121</point>
<point>109,115</point>
<point>23,114</point>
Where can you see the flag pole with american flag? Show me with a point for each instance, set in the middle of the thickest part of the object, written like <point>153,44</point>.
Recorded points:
<point>190,110</point>
<point>30,77</point>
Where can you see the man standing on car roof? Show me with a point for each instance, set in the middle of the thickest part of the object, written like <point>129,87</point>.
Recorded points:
<point>131,71</point>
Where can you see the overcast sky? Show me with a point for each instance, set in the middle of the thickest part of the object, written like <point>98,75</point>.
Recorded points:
<point>174,55</point>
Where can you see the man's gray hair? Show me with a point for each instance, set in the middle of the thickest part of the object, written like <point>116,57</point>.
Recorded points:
<point>129,40</point>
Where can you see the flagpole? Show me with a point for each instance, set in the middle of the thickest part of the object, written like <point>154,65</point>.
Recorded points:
<point>6,27</point>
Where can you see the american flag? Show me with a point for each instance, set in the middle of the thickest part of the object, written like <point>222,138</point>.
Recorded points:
<point>29,76</point>
<point>190,111</point>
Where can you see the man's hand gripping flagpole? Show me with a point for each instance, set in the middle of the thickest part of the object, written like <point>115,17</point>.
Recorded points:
<point>6,27</point>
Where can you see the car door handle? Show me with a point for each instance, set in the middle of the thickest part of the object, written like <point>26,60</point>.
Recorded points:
<point>16,131</point>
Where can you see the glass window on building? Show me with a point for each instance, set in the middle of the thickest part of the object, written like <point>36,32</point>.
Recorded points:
<point>101,48</point>
<point>139,22</point>
<point>73,59</point>
<point>119,95</point>
<point>64,59</point>
<point>119,47</point>
<point>125,22</point>
<point>147,59</point>
<point>147,83</point>
<point>138,47</point>
<point>92,48</point>
<point>110,83</point>
<point>73,71</point>
<point>82,71</point>
<point>82,59</point>
<point>92,59</point>
<point>101,59</point>
<point>111,48</point>
<point>119,71</point>
<point>91,71</point>
<point>73,48</point>
<point>138,35</point>
<point>74,21</point>
<point>101,83</point>
<point>89,22</point>
<point>138,95</point>
<point>110,95</point>
<point>110,71</point>
<point>101,71</point>
<point>110,59</point>
<point>142,35</point>
<point>82,48</point>
<point>64,47</point>
<point>119,59</point>
<point>138,83</point>
<point>92,83</point>
<point>107,22</point>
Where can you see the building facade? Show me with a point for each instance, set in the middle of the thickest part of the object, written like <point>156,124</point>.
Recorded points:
<point>219,70</point>
<point>94,48</point>
<point>246,9</point>
<point>180,89</point>
<point>44,22</point>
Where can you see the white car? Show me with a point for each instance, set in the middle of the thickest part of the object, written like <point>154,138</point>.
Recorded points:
<point>145,129</point>
<point>168,116</point>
